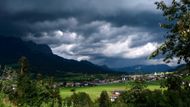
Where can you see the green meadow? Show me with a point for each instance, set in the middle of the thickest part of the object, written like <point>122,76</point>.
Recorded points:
<point>94,91</point>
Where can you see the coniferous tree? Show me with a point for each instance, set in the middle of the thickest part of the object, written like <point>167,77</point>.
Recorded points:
<point>104,100</point>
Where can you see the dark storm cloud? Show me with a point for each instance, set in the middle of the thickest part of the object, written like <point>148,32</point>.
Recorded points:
<point>86,29</point>
<point>18,14</point>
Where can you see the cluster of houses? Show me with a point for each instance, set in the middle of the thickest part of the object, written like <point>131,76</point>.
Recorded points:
<point>89,83</point>
<point>146,77</point>
<point>115,94</point>
<point>76,84</point>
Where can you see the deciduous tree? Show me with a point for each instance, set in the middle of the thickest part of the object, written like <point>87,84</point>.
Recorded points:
<point>177,24</point>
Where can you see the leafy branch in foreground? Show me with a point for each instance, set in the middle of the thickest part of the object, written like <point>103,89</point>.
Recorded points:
<point>177,43</point>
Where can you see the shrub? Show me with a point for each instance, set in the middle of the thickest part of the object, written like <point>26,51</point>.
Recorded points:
<point>80,99</point>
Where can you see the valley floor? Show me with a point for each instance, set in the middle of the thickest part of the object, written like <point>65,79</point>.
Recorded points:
<point>95,91</point>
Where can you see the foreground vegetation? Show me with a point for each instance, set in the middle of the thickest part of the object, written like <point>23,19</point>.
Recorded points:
<point>20,89</point>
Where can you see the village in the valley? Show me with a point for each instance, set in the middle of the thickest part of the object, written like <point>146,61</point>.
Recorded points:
<point>123,79</point>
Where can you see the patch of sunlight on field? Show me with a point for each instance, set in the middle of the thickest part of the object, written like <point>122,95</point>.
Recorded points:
<point>94,92</point>
<point>153,87</point>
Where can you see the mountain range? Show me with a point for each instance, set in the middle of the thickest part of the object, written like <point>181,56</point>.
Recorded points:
<point>145,69</point>
<point>42,59</point>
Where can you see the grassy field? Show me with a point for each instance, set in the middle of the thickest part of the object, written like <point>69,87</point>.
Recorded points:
<point>95,91</point>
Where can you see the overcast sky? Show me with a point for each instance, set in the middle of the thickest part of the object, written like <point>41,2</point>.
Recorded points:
<point>116,33</point>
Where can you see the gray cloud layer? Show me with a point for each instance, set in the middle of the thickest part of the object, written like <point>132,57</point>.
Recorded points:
<point>112,32</point>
